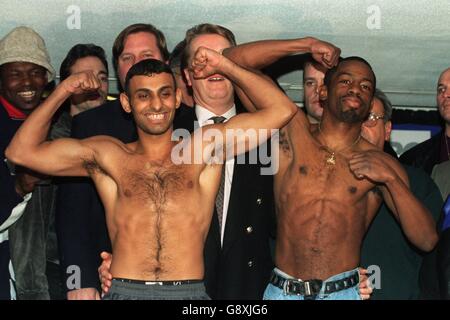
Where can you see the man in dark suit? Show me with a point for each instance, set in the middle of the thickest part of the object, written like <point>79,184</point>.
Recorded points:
<point>435,150</point>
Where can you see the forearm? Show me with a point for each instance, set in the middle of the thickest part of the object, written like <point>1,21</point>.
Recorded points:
<point>35,129</point>
<point>261,91</point>
<point>413,216</point>
<point>260,54</point>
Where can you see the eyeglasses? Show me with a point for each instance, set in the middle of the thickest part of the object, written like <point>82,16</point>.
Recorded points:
<point>372,119</point>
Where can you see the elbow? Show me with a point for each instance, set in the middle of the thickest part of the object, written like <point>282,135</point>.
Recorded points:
<point>290,112</point>
<point>14,155</point>
<point>429,242</point>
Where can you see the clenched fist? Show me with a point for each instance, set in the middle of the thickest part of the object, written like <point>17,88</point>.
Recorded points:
<point>81,83</point>
<point>325,53</point>
<point>207,62</point>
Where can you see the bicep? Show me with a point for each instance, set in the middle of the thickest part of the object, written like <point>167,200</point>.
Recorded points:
<point>62,157</point>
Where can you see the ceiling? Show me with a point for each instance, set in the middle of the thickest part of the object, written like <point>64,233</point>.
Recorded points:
<point>406,41</point>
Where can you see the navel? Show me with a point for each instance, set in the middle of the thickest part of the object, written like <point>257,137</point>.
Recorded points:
<point>303,170</point>
<point>352,189</point>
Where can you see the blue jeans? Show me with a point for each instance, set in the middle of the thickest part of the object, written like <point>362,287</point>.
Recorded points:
<point>274,293</point>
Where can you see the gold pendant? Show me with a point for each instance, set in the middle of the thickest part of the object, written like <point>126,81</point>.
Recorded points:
<point>331,160</point>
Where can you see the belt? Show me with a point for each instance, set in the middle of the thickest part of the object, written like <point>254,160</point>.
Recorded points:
<point>158,283</point>
<point>312,287</point>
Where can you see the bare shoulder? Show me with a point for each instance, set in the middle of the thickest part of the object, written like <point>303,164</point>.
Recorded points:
<point>298,132</point>
<point>108,152</point>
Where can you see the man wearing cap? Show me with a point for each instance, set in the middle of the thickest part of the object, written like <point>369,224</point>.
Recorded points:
<point>25,71</point>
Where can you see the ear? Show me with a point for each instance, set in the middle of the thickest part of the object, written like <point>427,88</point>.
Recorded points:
<point>188,76</point>
<point>323,93</point>
<point>387,130</point>
<point>125,101</point>
<point>178,98</point>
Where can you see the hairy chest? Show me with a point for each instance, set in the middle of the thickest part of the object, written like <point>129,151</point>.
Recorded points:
<point>153,184</point>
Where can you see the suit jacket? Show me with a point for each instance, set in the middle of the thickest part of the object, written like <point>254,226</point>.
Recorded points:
<point>238,271</point>
<point>8,197</point>
<point>386,246</point>
<point>425,155</point>
<point>443,264</point>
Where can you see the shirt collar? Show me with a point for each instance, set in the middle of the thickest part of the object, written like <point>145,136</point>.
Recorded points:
<point>204,115</point>
<point>13,112</point>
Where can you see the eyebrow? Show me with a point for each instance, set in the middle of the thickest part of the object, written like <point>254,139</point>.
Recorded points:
<point>145,90</point>
<point>350,75</point>
<point>165,88</point>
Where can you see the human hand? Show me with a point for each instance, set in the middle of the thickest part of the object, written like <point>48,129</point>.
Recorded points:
<point>365,288</point>
<point>325,53</point>
<point>26,180</point>
<point>206,62</point>
<point>372,165</point>
<point>81,82</point>
<point>104,273</point>
<point>83,294</point>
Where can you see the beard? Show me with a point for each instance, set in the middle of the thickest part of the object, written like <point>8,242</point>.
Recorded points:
<point>353,115</point>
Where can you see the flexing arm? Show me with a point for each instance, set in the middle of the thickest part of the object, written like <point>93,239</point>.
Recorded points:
<point>66,157</point>
<point>414,218</point>
<point>274,109</point>
<point>260,54</point>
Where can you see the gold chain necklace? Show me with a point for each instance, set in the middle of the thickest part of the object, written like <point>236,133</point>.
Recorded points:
<point>331,160</point>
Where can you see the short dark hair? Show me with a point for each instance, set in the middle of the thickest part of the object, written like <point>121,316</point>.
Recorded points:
<point>205,28</point>
<point>147,67</point>
<point>119,43</point>
<point>333,70</point>
<point>77,52</point>
<point>175,60</point>
<point>309,60</point>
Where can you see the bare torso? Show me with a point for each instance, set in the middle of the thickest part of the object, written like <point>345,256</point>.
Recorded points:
<point>323,210</point>
<point>158,214</point>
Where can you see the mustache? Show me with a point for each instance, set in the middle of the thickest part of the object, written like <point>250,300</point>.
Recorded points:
<point>351,95</point>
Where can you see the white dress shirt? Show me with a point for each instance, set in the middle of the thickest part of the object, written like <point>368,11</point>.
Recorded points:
<point>203,117</point>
